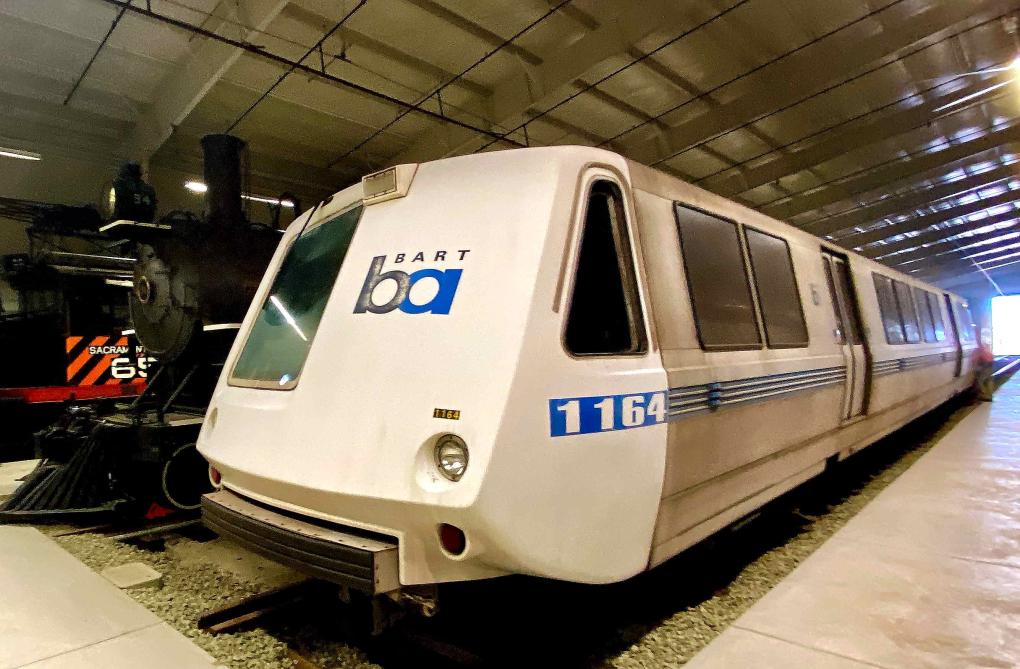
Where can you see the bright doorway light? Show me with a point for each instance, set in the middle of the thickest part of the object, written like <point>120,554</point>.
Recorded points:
<point>1006,325</point>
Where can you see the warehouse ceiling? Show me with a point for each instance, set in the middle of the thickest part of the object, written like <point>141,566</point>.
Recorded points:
<point>888,126</point>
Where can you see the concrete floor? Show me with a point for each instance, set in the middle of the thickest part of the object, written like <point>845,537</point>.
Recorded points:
<point>928,575</point>
<point>57,613</point>
<point>12,474</point>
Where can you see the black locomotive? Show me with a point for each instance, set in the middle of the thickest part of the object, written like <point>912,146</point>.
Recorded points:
<point>193,279</point>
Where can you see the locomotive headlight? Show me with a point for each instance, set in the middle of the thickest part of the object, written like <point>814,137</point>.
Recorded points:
<point>451,456</point>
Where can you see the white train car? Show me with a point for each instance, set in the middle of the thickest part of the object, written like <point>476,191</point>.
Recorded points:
<point>551,361</point>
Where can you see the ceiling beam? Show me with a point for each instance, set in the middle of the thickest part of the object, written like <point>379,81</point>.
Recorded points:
<point>471,28</point>
<point>182,90</point>
<point>887,173</point>
<point>358,40</point>
<point>542,84</point>
<point>960,265</point>
<point>906,202</point>
<point>921,223</point>
<point>14,106</point>
<point>951,259</point>
<point>788,80</point>
<point>873,128</point>
<point>972,283</point>
<point>942,247</point>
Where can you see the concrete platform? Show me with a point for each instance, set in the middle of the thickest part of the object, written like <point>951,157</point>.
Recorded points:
<point>57,613</point>
<point>927,575</point>
<point>11,475</point>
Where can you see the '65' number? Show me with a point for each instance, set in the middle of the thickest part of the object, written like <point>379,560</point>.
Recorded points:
<point>125,368</point>
<point>581,415</point>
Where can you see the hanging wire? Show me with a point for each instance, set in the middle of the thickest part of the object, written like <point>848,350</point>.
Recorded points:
<point>315,47</point>
<point>281,60</point>
<point>585,89</point>
<point>460,75</point>
<point>95,55</point>
<point>827,89</point>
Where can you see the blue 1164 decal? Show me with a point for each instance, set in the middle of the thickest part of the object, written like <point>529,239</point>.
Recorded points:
<point>583,415</point>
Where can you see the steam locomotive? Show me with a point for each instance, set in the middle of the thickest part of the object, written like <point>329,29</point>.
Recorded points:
<point>190,288</point>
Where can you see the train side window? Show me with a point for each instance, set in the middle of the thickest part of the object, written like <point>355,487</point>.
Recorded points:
<point>827,271</point>
<point>605,311</point>
<point>924,311</point>
<point>781,311</point>
<point>966,322</point>
<point>890,313</point>
<point>908,312</point>
<point>844,288</point>
<point>717,281</point>
<point>936,314</point>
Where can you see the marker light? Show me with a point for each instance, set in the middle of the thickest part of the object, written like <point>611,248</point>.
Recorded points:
<point>388,184</point>
<point>452,539</point>
<point>451,456</point>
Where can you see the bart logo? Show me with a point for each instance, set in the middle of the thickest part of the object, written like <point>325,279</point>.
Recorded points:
<point>440,303</point>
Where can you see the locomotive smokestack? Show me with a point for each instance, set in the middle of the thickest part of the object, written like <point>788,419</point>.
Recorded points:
<point>223,178</point>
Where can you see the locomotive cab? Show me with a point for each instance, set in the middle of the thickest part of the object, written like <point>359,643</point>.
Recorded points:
<point>433,378</point>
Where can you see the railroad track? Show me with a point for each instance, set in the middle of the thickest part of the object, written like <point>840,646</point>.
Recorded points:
<point>148,530</point>
<point>262,607</point>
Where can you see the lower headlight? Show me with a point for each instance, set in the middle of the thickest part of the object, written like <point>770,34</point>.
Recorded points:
<point>451,456</point>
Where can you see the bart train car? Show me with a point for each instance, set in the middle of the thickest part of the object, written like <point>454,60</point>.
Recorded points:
<point>555,362</point>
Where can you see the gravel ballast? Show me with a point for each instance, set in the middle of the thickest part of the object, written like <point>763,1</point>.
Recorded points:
<point>658,619</point>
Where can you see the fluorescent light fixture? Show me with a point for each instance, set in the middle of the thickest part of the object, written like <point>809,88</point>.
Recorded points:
<point>269,200</point>
<point>997,249</point>
<point>971,96</point>
<point>1005,264</point>
<point>995,260</point>
<point>19,153</point>
<point>199,187</point>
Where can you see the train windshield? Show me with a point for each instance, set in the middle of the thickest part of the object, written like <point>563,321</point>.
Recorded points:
<point>282,334</point>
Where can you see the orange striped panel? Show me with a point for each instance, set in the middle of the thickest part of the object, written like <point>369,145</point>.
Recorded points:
<point>73,368</point>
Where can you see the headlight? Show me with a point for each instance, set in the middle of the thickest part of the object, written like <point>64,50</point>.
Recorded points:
<point>451,456</point>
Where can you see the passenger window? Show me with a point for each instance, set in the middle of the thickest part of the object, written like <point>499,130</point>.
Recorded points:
<point>776,283</point>
<point>966,321</point>
<point>924,311</point>
<point>717,281</point>
<point>827,271</point>
<point>908,312</point>
<point>890,313</point>
<point>936,315</point>
<point>844,287</point>
<point>605,312</point>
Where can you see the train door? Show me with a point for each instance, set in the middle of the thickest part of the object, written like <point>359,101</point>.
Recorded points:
<point>849,334</point>
<point>954,328</point>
